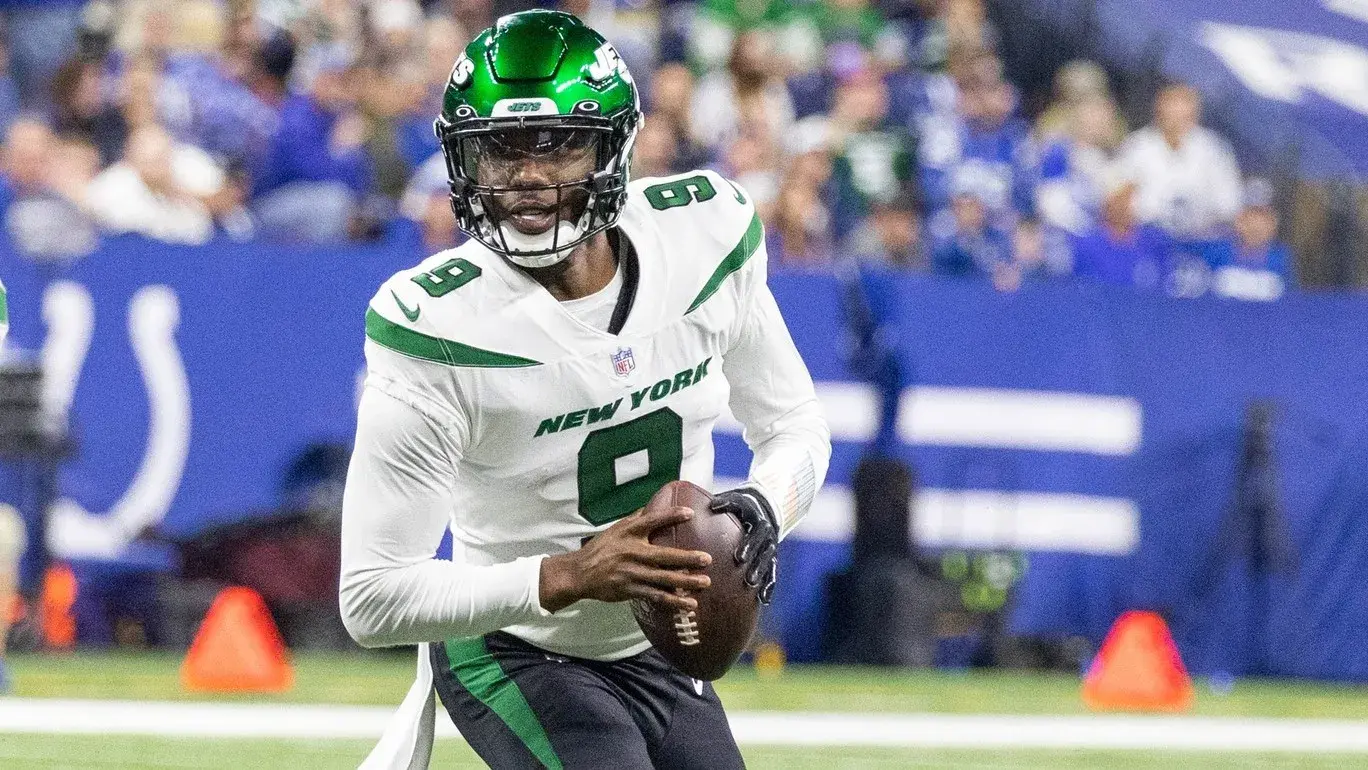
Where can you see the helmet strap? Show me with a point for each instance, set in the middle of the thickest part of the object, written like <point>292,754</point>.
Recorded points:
<point>532,250</point>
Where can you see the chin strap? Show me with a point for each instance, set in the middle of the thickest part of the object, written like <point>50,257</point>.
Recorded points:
<point>627,259</point>
<point>518,242</point>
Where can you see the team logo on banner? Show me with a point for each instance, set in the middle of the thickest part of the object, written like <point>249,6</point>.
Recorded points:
<point>623,362</point>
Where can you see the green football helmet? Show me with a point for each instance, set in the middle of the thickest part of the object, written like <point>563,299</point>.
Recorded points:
<point>537,126</point>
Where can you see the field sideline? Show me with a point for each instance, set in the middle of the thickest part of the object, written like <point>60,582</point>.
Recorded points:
<point>890,719</point>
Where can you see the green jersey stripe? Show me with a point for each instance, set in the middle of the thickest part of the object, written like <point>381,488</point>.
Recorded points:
<point>418,345</point>
<point>755,235</point>
<point>483,677</point>
<point>4,305</point>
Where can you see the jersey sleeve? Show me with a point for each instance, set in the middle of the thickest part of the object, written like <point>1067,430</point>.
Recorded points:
<point>412,429</point>
<point>773,397</point>
<point>395,510</point>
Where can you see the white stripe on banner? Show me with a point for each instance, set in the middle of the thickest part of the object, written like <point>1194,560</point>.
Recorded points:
<point>1027,521</point>
<point>852,411</point>
<point>993,419</point>
<point>983,417</point>
<point>1020,419</point>
<point>977,518</point>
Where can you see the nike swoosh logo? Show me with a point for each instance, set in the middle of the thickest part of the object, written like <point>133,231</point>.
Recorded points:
<point>413,314</point>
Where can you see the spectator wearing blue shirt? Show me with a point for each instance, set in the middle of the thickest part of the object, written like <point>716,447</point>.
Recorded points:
<point>1030,259</point>
<point>1253,264</point>
<point>425,205</point>
<point>966,242</point>
<point>40,34</point>
<point>224,116</point>
<point>891,235</point>
<point>421,70</point>
<point>9,91</point>
<point>985,141</point>
<point>425,208</point>
<point>1118,249</point>
<point>1073,167</point>
<point>671,98</point>
<point>316,169</point>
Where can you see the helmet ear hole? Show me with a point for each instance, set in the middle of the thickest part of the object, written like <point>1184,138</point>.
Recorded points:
<point>601,181</point>
<point>465,111</point>
<point>587,107</point>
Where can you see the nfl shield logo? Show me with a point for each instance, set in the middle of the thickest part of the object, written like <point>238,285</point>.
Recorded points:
<point>623,363</point>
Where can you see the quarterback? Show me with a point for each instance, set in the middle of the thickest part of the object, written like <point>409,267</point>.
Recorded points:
<point>531,389</point>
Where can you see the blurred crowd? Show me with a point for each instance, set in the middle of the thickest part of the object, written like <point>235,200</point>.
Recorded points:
<point>884,131</point>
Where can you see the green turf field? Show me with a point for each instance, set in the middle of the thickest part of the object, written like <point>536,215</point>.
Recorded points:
<point>382,680</point>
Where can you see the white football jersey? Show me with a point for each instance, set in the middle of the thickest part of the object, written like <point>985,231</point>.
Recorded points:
<point>534,430</point>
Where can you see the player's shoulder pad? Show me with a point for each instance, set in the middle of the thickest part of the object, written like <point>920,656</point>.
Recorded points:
<point>716,217</point>
<point>420,311</point>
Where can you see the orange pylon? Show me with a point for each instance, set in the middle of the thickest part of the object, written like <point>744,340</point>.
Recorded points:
<point>238,648</point>
<point>1138,668</point>
<point>57,602</point>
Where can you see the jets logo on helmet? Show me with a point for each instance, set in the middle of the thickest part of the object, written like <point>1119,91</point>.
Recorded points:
<point>537,127</point>
<point>460,73</point>
<point>524,107</point>
<point>607,63</point>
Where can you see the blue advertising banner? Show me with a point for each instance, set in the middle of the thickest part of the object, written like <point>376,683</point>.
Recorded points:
<point>1096,430</point>
<point>1102,431</point>
<point>193,376</point>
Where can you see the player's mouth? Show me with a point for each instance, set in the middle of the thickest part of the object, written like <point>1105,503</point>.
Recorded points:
<point>532,217</point>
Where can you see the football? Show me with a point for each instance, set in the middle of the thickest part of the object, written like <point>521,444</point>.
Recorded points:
<point>706,642</point>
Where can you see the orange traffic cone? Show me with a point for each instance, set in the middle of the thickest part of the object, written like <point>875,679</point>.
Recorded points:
<point>238,648</point>
<point>58,599</point>
<point>1138,668</point>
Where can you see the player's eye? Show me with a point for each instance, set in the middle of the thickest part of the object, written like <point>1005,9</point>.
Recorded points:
<point>489,157</point>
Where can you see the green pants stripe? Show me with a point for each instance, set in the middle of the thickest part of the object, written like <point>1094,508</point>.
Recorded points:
<point>484,678</point>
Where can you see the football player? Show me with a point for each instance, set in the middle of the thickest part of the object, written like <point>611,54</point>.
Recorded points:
<point>532,389</point>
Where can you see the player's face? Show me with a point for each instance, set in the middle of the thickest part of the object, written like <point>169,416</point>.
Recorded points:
<point>541,176</point>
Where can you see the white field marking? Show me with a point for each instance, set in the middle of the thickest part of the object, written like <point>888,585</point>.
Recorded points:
<point>985,518</point>
<point>233,720</point>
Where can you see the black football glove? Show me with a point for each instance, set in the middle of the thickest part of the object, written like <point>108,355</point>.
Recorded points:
<point>759,547</point>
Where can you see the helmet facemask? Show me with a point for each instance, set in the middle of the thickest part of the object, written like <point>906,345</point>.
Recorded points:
<point>532,189</point>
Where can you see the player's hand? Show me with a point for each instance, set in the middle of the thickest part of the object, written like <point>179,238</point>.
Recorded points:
<point>620,563</point>
<point>759,537</point>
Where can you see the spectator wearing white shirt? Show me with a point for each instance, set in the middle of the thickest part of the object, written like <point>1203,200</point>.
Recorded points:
<point>157,190</point>
<point>748,94</point>
<point>1187,180</point>
<point>40,201</point>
